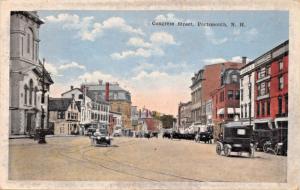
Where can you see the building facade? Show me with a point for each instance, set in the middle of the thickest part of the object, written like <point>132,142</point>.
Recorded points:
<point>184,114</point>
<point>247,99</point>
<point>64,116</point>
<point>119,99</point>
<point>196,101</point>
<point>271,88</point>
<point>226,99</point>
<point>27,76</point>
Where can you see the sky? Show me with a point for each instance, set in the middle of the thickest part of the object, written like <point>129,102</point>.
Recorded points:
<point>155,63</point>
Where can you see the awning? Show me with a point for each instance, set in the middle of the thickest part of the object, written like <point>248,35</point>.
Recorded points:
<point>220,111</point>
<point>233,110</point>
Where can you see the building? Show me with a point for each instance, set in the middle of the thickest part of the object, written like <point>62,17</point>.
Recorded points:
<point>64,116</point>
<point>204,82</point>
<point>27,103</point>
<point>247,100</point>
<point>134,117</point>
<point>119,99</point>
<point>184,114</point>
<point>115,122</point>
<point>94,109</point>
<point>150,126</point>
<point>271,88</point>
<point>226,99</point>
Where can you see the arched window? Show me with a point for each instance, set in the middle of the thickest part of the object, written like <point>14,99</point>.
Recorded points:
<point>30,91</point>
<point>25,94</point>
<point>30,42</point>
<point>35,95</point>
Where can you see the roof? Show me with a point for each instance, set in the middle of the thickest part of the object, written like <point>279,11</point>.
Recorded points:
<point>59,104</point>
<point>71,91</point>
<point>112,87</point>
<point>96,97</point>
<point>30,14</point>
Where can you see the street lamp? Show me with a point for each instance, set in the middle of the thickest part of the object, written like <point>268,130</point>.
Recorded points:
<point>41,133</point>
<point>250,97</point>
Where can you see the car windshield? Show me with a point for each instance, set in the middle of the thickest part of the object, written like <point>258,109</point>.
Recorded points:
<point>103,131</point>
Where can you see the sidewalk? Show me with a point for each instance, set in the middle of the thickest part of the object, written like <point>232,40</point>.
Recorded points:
<point>47,136</point>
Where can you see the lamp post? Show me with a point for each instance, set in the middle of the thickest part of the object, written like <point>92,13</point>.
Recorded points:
<point>41,135</point>
<point>250,97</point>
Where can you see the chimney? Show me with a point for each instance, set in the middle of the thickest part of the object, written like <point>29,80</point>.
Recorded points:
<point>72,87</point>
<point>107,91</point>
<point>244,60</point>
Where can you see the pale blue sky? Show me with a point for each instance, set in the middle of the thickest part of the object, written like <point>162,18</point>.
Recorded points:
<point>151,61</point>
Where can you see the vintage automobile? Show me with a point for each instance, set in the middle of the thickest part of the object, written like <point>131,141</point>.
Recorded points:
<point>278,142</point>
<point>235,137</point>
<point>101,137</point>
<point>261,136</point>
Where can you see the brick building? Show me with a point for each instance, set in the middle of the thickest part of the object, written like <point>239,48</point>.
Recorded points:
<point>204,82</point>
<point>271,88</point>
<point>226,99</point>
<point>184,114</point>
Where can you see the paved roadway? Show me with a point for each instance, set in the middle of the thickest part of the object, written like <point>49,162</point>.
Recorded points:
<point>136,159</point>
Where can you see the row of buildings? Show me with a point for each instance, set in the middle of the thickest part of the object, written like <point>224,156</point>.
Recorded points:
<point>89,106</point>
<point>255,93</point>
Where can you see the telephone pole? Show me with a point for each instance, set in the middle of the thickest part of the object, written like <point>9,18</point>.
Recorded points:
<point>41,135</point>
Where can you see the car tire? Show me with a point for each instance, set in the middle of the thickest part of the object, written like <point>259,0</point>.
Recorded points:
<point>265,148</point>
<point>218,149</point>
<point>227,150</point>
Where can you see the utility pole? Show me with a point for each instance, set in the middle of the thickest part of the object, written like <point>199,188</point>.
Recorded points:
<point>250,97</point>
<point>41,135</point>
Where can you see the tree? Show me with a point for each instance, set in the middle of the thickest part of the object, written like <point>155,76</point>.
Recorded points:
<point>167,121</point>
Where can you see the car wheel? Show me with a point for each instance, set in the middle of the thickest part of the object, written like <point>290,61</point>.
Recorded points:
<point>218,149</point>
<point>265,148</point>
<point>227,150</point>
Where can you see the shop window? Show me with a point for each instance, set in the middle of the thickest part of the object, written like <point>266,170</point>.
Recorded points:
<point>263,108</point>
<point>246,115</point>
<point>257,109</point>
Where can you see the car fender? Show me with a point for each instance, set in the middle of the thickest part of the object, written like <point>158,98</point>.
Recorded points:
<point>221,144</point>
<point>228,146</point>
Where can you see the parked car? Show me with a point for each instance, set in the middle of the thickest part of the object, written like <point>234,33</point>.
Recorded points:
<point>278,142</point>
<point>235,137</point>
<point>261,136</point>
<point>101,137</point>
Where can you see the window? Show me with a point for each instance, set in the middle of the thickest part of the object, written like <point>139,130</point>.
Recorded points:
<point>230,94</point>
<point>30,91</point>
<point>242,79</point>
<point>242,94</point>
<point>263,108</point>
<point>69,115</point>
<point>22,45</point>
<point>257,109</point>
<point>279,105</point>
<point>25,94</point>
<point>246,110</point>
<point>241,132</point>
<point>60,115</point>
<point>237,95</point>
<point>28,43</point>
<point>268,107</point>
<point>234,78</point>
<point>261,72</point>
<point>242,111</point>
<point>35,95</point>
<point>268,70</point>
<point>280,83</point>
<point>286,102</point>
<point>268,87</point>
<point>280,64</point>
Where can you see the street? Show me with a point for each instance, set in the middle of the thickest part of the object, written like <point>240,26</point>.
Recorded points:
<point>137,159</point>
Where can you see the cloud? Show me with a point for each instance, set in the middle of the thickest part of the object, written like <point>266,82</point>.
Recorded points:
<point>56,69</point>
<point>252,32</point>
<point>237,59</point>
<point>71,65</point>
<point>170,17</point>
<point>209,33</point>
<point>146,49</point>
<point>88,29</point>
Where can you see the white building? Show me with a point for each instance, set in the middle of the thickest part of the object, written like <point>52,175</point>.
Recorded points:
<point>247,76</point>
<point>26,102</point>
<point>94,110</point>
